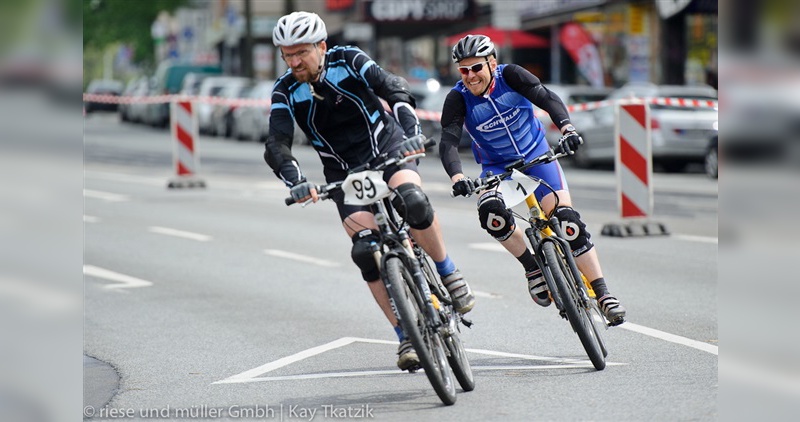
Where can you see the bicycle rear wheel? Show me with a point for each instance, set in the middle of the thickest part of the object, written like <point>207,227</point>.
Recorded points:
<point>577,314</point>
<point>457,355</point>
<point>428,344</point>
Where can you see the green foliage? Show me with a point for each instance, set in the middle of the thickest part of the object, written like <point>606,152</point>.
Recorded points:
<point>108,22</point>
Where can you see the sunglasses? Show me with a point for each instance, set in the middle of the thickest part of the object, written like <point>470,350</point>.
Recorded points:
<point>477,67</point>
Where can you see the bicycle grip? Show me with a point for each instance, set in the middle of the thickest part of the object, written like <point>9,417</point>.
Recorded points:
<point>289,201</point>
<point>429,143</point>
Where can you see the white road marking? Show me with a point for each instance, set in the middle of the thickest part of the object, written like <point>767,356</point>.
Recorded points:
<point>691,238</point>
<point>488,246</point>
<point>699,345</point>
<point>301,258</point>
<point>106,196</point>
<point>252,375</point>
<point>126,281</point>
<point>179,233</point>
<point>90,219</point>
<point>479,293</point>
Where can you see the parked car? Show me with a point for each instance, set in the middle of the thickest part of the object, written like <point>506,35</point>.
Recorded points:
<point>211,87</point>
<point>168,79</point>
<point>251,122</point>
<point>191,82</point>
<point>572,95</point>
<point>137,109</point>
<point>221,114</point>
<point>433,128</point>
<point>103,87</point>
<point>679,134</point>
<point>133,87</point>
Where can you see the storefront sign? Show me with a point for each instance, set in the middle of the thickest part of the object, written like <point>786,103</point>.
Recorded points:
<point>418,10</point>
<point>537,9</point>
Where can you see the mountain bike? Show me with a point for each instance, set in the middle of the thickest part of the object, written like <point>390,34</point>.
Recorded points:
<point>569,289</point>
<point>419,300</point>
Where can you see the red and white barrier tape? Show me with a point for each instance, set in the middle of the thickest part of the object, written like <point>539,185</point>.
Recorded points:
<point>422,114</point>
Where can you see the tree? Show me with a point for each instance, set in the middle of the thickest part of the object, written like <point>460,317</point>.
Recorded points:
<point>108,22</point>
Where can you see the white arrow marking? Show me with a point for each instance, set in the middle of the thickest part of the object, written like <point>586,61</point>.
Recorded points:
<point>126,281</point>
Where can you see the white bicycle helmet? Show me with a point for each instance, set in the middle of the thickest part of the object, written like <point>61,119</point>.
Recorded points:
<point>299,28</point>
<point>473,46</point>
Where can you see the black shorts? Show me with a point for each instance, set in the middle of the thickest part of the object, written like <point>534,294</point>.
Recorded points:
<point>335,175</point>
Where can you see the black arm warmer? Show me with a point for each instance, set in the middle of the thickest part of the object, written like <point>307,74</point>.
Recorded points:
<point>529,86</point>
<point>453,112</point>
<point>278,154</point>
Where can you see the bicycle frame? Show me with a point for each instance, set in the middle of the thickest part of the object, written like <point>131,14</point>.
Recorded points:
<point>397,242</point>
<point>544,230</point>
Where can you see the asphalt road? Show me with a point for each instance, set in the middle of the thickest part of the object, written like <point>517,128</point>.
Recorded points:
<point>223,302</point>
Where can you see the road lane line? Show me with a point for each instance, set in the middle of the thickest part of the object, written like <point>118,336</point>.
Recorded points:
<point>126,281</point>
<point>488,246</point>
<point>692,238</point>
<point>301,258</point>
<point>479,293</point>
<point>179,233</point>
<point>106,196</point>
<point>652,332</point>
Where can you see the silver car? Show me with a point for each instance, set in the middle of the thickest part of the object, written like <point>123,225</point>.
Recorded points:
<point>572,96</point>
<point>680,134</point>
<point>250,122</point>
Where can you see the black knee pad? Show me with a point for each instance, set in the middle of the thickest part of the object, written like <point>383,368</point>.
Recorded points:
<point>362,254</point>
<point>574,230</point>
<point>412,204</point>
<point>495,217</point>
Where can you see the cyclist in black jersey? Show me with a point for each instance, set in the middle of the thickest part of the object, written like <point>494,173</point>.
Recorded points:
<point>335,98</point>
<point>495,102</point>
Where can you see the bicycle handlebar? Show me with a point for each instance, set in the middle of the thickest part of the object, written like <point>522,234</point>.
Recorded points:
<point>324,191</point>
<point>492,180</point>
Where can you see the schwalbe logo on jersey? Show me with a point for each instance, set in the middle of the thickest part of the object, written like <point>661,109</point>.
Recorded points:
<point>496,122</point>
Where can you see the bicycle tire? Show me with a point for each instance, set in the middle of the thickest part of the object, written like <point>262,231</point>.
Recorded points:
<point>427,344</point>
<point>457,354</point>
<point>579,319</point>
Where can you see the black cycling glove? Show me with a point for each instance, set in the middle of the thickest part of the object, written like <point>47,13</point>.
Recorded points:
<point>570,141</point>
<point>301,191</point>
<point>413,145</point>
<point>464,187</point>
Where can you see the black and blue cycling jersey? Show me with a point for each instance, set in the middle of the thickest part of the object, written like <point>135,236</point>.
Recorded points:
<point>341,114</point>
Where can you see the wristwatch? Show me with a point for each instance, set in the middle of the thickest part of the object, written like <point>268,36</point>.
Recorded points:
<point>569,128</point>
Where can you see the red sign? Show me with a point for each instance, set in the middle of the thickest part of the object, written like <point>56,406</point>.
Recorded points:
<point>581,47</point>
<point>337,5</point>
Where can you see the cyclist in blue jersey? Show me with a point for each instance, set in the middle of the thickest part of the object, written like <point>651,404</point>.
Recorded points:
<point>335,98</point>
<point>495,102</point>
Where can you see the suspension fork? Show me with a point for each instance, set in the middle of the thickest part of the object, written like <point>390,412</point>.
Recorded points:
<point>573,266</point>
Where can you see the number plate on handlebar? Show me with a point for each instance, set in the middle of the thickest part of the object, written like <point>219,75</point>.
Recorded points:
<point>365,188</point>
<point>517,188</point>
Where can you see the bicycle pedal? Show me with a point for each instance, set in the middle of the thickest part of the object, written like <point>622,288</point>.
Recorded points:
<point>616,322</point>
<point>467,323</point>
<point>414,368</point>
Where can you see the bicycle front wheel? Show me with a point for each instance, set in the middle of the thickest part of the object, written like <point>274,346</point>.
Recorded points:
<point>577,314</point>
<point>428,344</point>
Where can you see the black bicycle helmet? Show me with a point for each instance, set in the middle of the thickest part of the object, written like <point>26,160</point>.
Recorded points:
<point>473,46</point>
